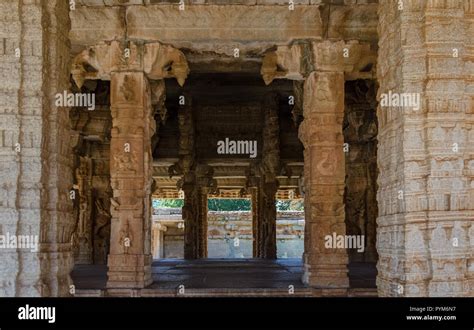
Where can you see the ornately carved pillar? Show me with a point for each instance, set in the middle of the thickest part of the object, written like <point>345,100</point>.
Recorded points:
<point>323,66</point>
<point>128,66</point>
<point>130,169</point>
<point>324,172</point>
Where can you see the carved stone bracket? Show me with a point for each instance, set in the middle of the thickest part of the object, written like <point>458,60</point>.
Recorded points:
<point>157,61</point>
<point>298,60</point>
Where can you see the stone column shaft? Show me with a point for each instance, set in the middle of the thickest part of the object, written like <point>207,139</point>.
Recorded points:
<point>255,216</point>
<point>324,172</point>
<point>195,221</point>
<point>268,183</point>
<point>130,170</point>
<point>266,220</point>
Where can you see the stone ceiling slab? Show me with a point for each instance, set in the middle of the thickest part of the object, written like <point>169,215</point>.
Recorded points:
<point>91,25</point>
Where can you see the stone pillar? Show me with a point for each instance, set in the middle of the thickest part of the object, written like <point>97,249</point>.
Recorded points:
<point>324,173</point>
<point>203,193</point>
<point>158,236</point>
<point>267,188</point>
<point>195,219</point>
<point>255,215</point>
<point>36,162</point>
<point>266,220</point>
<point>426,192</point>
<point>131,161</point>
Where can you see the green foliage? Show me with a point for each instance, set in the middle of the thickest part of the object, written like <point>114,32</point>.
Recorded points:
<point>227,204</point>
<point>221,204</point>
<point>290,205</point>
<point>167,203</point>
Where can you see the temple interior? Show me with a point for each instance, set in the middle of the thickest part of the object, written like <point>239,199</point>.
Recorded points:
<point>237,148</point>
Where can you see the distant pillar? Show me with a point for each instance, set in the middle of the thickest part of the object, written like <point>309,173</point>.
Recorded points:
<point>269,168</point>
<point>255,215</point>
<point>195,219</point>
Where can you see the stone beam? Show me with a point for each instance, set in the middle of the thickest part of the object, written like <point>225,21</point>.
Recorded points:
<point>219,27</point>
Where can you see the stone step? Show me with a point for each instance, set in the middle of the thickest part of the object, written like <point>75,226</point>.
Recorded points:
<point>363,292</point>
<point>223,292</point>
<point>89,293</point>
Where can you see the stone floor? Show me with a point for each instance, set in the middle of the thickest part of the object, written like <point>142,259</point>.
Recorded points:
<point>237,274</point>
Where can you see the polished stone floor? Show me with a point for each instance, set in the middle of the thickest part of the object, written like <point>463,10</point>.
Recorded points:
<point>223,273</point>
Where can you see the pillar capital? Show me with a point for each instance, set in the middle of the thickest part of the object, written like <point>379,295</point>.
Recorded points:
<point>157,61</point>
<point>299,59</point>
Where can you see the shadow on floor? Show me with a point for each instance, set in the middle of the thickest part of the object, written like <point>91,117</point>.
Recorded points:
<point>223,273</point>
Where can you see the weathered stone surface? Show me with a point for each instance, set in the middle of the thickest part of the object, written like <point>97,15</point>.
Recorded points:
<point>130,171</point>
<point>360,141</point>
<point>157,61</point>
<point>321,134</point>
<point>36,156</point>
<point>425,182</point>
<point>298,60</point>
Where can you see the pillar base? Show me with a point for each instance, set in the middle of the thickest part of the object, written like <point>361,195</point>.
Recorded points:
<point>324,275</point>
<point>129,271</point>
<point>84,259</point>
